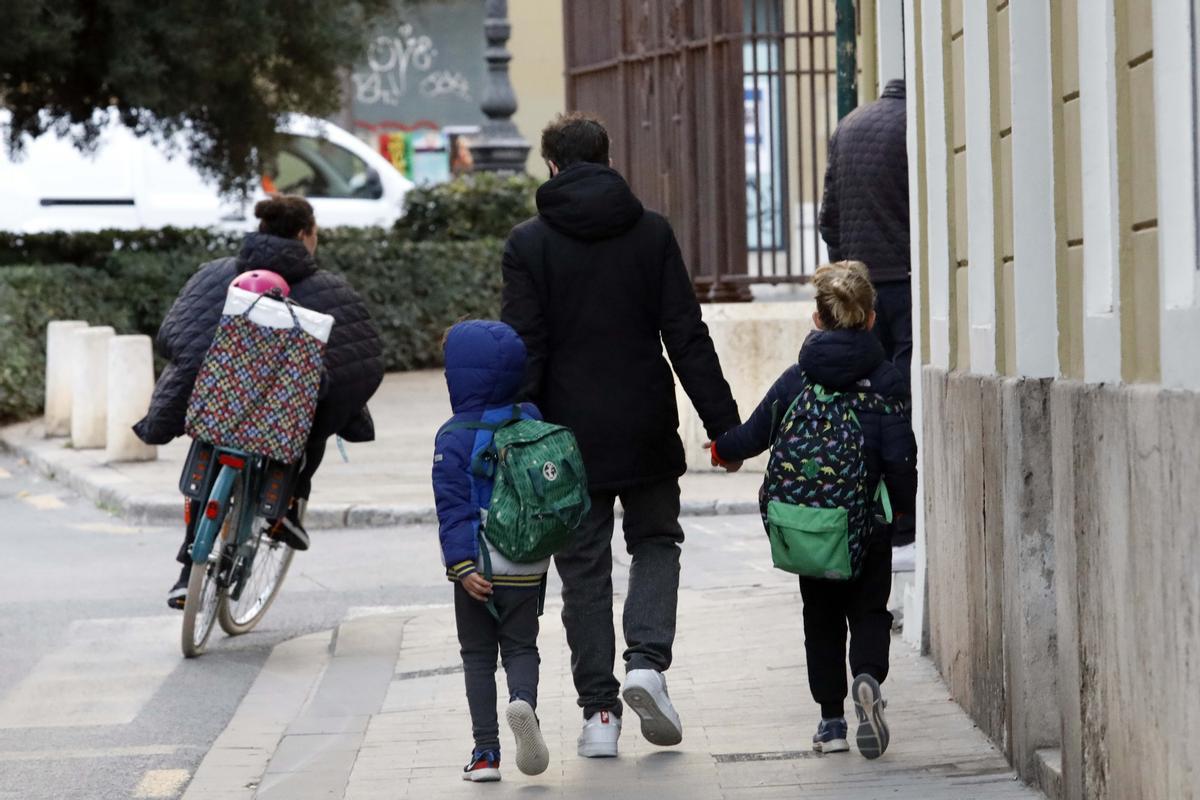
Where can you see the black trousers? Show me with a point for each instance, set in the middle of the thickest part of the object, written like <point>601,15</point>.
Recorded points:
<point>893,323</point>
<point>652,539</point>
<point>480,635</point>
<point>314,453</point>
<point>830,607</point>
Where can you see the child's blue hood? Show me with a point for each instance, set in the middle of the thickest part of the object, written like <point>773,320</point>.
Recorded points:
<point>485,364</point>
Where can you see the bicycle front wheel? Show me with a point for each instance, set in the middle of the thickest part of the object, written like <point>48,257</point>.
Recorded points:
<point>200,608</point>
<point>268,569</point>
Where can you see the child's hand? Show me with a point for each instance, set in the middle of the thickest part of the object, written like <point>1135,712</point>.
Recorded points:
<point>716,461</point>
<point>477,587</point>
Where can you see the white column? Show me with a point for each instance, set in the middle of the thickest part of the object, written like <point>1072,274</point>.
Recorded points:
<point>889,39</point>
<point>1101,204</point>
<point>1177,139</point>
<point>130,384</point>
<point>89,389</point>
<point>1034,237</point>
<point>937,182</point>
<point>58,375</point>
<point>914,613</point>
<point>981,187</point>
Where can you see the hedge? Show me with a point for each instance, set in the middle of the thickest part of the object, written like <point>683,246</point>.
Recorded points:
<point>479,205</point>
<point>414,289</point>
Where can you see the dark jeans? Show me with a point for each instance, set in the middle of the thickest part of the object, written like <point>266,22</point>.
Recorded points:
<point>652,538</point>
<point>479,636</point>
<point>314,453</point>
<point>893,323</point>
<point>828,607</point>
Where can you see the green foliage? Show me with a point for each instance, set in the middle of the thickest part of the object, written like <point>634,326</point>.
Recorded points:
<point>415,290</point>
<point>480,204</point>
<point>217,74</point>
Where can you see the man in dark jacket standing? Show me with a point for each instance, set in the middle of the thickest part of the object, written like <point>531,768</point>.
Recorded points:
<point>596,286</point>
<point>864,214</point>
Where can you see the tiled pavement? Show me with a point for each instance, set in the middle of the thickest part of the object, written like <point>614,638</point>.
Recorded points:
<point>380,713</point>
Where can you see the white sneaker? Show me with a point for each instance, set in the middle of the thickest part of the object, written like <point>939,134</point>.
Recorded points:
<point>532,755</point>
<point>599,736</point>
<point>646,693</point>
<point>904,558</point>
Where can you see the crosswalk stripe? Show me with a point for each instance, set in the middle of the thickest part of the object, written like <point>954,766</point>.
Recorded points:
<point>103,674</point>
<point>161,783</point>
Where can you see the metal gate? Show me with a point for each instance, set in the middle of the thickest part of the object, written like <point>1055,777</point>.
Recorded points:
<point>719,112</point>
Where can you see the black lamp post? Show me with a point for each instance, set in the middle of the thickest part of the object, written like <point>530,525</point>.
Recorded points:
<point>500,146</point>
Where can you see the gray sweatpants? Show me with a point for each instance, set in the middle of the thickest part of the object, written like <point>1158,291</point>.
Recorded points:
<point>652,538</point>
<point>479,637</point>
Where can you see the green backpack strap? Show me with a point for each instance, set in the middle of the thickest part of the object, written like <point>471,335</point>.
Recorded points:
<point>882,496</point>
<point>485,561</point>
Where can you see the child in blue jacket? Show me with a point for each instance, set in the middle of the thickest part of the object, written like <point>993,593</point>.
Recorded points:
<point>485,364</point>
<point>843,355</point>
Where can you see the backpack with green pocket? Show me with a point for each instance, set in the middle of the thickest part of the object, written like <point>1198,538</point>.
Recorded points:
<point>539,490</point>
<point>816,503</point>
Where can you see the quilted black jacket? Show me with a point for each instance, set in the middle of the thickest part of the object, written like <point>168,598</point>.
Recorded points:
<point>864,214</point>
<point>353,355</point>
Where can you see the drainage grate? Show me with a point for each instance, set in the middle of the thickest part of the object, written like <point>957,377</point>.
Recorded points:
<point>427,673</point>
<point>778,755</point>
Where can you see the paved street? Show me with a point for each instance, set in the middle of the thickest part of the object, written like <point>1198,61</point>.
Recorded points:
<point>362,698</point>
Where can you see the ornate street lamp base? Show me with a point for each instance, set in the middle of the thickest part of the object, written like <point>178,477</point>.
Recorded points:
<point>506,154</point>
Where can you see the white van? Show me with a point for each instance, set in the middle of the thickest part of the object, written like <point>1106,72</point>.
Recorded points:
<point>129,182</point>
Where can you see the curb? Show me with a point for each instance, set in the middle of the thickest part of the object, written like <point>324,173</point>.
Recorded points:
<point>168,510</point>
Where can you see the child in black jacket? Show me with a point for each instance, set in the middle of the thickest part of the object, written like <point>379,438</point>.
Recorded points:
<point>843,355</point>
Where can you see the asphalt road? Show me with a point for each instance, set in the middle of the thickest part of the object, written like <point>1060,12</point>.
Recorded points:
<point>96,701</point>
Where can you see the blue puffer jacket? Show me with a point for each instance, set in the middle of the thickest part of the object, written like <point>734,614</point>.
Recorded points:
<point>485,365</point>
<point>842,360</point>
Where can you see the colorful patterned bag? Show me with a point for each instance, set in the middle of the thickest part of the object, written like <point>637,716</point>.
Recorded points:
<point>257,387</point>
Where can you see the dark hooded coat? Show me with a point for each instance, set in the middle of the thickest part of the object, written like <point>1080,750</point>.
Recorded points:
<point>353,356</point>
<point>842,360</point>
<point>596,286</point>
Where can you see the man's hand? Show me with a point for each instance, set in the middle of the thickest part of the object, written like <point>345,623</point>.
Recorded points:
<point>477,587</point>
<point>728,466</point>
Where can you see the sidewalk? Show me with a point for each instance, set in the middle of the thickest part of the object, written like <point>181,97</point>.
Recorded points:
<point>385,482</point>
<point>377,711</point>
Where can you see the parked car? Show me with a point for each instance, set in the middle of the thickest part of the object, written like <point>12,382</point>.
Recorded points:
<point>129,182</point>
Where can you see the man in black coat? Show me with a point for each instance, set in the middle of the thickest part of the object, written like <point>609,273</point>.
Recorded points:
<point>596,286</point>
<point>864,217</point>
<point>864,214</point>
<point>353,359</point>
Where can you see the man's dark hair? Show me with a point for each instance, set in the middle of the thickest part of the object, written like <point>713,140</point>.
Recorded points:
<point>573,138</point>
<point>285,215</point>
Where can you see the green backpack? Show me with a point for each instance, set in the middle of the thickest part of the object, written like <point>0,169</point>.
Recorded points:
<point>539,490</point>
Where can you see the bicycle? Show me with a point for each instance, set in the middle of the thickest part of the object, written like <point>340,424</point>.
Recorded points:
<point>237,566</point>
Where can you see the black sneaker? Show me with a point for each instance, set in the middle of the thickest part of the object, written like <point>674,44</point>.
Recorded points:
<point>178,594</point>
<point>289,530</point>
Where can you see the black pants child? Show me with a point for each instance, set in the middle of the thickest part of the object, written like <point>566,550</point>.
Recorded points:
<point>480,636</point>
<point>862,604</point>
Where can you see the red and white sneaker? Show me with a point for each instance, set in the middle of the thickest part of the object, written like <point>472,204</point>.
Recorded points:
<point>484,767</point>
<point>599,736</point>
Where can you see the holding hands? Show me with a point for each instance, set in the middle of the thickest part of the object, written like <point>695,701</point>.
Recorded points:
<point>717,461</point>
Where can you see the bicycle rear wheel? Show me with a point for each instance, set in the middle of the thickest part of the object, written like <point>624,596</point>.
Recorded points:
<point>267,571</point>
<point>200,609</point>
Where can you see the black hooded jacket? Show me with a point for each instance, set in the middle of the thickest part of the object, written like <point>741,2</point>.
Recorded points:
<point>842,360</point>
<point>353,356</point>
<point>864,213</point>
<point>596,286</point>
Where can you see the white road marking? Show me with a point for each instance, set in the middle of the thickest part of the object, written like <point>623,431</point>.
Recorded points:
<point>104,527</point>
<point>104,673</point>
<point>89,753</point>
<point>358,612</point>
<point>161,783</point>
<point>42,502</point>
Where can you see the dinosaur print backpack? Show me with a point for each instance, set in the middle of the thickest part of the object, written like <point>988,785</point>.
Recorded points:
<point>816,505</point>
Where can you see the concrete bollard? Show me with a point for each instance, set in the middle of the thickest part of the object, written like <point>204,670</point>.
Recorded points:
<point>89,391</point>
<point>58,375</point>
<point>130,385</point>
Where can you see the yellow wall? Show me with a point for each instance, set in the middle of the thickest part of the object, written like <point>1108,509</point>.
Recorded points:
<point>1068,187</point>
<point>536,69</point>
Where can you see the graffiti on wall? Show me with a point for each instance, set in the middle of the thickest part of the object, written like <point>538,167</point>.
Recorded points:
<point>401,63</point>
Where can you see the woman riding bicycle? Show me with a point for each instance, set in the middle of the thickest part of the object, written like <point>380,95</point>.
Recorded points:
<point>285,243</point>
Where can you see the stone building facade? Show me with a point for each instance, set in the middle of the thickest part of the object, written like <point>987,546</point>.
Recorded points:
<point>1053,154</point>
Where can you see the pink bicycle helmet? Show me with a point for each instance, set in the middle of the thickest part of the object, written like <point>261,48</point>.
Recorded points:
<point>261,281</point>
